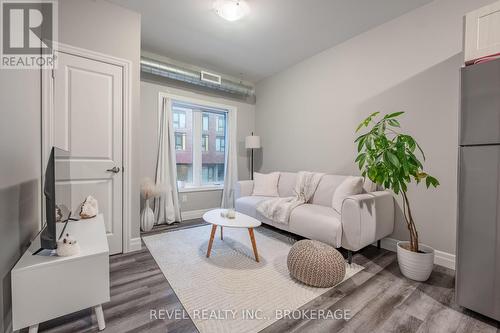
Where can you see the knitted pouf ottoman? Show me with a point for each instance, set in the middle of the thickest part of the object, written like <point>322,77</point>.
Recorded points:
<point>316,264</point>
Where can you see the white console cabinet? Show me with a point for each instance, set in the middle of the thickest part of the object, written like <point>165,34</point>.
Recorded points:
<point>45,286</point>
<point>482,32</point>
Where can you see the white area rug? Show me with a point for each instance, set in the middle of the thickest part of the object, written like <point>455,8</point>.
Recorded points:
<point>223,292</point>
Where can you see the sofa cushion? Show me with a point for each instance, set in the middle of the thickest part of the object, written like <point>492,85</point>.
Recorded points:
<point>369,186</point>
<point>318,223</point>
<point>266,184</point>
<point>248,205</point>
<point>286,184</point>
<point>326,187</point>
<point>350,186</point>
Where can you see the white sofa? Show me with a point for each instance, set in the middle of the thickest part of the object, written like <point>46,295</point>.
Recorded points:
<point>365,218</point>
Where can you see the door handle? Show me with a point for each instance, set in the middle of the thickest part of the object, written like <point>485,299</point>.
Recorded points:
<point>114,170</point>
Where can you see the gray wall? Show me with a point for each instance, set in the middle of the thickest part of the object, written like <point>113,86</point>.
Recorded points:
<point>103,27</point>
<point>20,173</point>
<point>149,118</point>
<point>307,114</point>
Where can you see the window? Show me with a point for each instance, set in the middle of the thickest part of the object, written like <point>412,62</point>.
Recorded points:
<point>204,142</point>
<point>206,118</point>
<point>212,173</point>
<point>200,143</point>
<point>185,173</point>
<point>179,119</point>
<point>220,144</point>
<point>180,141</point>
<point>221,124</point>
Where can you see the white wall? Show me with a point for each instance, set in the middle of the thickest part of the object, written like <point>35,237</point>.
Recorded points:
<point>103,27</point>
<point>149,117</point>
<point>307,114</point>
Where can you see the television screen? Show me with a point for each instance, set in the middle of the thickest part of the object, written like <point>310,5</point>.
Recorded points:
<point>62,185</point>
<point>57,193</point>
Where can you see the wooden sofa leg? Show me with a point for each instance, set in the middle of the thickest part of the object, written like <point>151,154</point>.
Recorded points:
<point>378,244</point>
<point>349,257</point>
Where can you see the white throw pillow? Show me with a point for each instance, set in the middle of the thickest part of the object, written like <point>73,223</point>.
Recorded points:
<point>350,186</point>
<point>266,184</point>
<point>369,185</point>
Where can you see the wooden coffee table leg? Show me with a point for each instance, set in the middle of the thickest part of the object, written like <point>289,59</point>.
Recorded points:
<point>252,238</point>
<point>221,237</point>
<point>212,235</point>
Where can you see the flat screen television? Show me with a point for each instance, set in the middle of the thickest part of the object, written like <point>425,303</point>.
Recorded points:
<point>57,193</point>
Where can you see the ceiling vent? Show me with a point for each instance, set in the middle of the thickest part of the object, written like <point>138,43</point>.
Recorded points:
<point>210,77</point>
<point>154,70</point>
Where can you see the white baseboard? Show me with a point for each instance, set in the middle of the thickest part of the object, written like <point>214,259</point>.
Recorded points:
<point>194,214</point>
<point>134,244</point>
<point>441,258</point>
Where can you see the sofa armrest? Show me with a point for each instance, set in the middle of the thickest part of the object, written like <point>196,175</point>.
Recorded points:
<point>244,188</point>
<point>366,218</point>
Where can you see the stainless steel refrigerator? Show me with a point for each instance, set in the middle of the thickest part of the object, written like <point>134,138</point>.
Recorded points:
<point>478,234</point>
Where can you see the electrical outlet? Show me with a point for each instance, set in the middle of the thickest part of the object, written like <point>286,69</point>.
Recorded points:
<point>184,198</point>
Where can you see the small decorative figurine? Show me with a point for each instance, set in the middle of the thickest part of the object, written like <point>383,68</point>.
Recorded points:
<point>59,214</point>
<point>68,246</point>
<point>90,208</point>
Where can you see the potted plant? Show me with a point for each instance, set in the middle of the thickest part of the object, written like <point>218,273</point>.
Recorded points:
<point>389,158</point>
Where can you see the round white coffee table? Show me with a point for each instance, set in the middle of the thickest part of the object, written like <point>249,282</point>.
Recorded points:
<point>240,221</point>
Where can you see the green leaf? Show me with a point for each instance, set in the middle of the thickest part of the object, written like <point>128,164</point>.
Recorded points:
<point>393,115</point>
<point>367,121</point>
<point>360,126</point>
<point>395,188</point>
<point>406,169</point>
<point>431,181</point>
<point>372,174</point>
<point>414,160</point>
<point>360,137</point>
<point>361,143</point>
<point>394,123</point>
<point>427,182</point>
<point>368,143</point>
<point>381,130</point>
<point>411,142</point>
<point>392,158</point>
<point>361,158</point>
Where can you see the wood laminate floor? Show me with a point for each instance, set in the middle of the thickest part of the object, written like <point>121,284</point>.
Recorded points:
<point>379,299</point>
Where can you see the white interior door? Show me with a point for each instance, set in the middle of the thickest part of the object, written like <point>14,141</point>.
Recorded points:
<point>88,108</point>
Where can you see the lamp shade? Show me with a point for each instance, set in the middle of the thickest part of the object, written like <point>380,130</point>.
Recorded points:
<point>252,142</point>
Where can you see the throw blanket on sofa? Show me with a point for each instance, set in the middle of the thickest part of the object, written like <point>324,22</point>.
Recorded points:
<point>279,209</point>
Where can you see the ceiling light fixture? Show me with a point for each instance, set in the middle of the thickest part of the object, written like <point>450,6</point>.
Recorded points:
<point>231,10</point>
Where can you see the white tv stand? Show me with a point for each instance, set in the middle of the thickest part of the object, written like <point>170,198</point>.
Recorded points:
<point>45,286</point>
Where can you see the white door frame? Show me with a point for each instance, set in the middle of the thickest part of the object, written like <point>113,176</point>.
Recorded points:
<point>128,244</point>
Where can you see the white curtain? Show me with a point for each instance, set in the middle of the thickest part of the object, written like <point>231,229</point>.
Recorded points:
<point>166,206</point>
<point>231,169</point>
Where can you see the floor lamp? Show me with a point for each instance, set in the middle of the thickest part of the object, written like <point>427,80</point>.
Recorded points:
<point>252,142</point>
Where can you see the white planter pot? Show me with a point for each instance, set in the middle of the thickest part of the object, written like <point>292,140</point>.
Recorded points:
<point>413,265</point>
<point>147,218</point>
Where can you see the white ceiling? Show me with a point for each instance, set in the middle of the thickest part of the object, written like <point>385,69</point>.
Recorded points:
<point>275,35</point>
